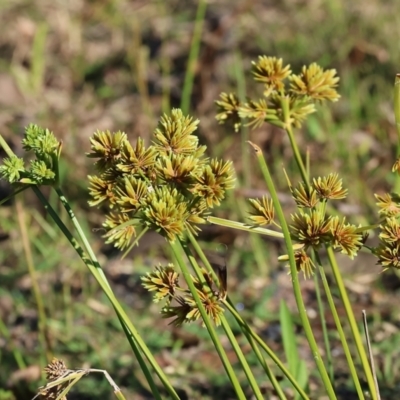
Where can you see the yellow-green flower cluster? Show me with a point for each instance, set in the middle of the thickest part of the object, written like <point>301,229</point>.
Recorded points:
<point>179,302</point>
<point>299,93</point>
<point>169,186</point>
<point>388,250</point>
<point>43,169</point>
<point>311,226</point>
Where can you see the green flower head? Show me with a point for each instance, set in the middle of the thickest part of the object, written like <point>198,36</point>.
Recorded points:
<point>316,83</point>
<point>168,186</point>
<point>388,204</point>
<point>388,255</point>
<point>263,212</point>
<point>311,229</point>
<point>346,237</point>
<point>269,70</point>
<point>12,169</point>
<point>174,134</point>
<point>121,229</point>
<point>329,187</point>
<point>107,147</point>
<point>212,183</point>
<point>163,281</point>
<point>41,141</point>
<point>165,211</point>
<point>304,263</point>
<point>138,160</point>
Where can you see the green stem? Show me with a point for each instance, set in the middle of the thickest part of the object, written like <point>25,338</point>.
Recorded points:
<point>288,128</point>
<point>324,329</point>
<point>241,358</point>
<point>397,109</point>
<point>396,105</point>
<point>94,268</point>
<point>245,327</point>
<point>139,358</point>
<point>243,227</point>
<point>228,331</point>
<point>82,235</point>
<point>5,333</point>
<point>332,260</point>
<point>177,250</point>
<point>339,328</point>
<point>352,322</point>
<point>119,395</point>
<point>244,130</point>
<point>194,52</point>
<point>43,333</point>
<point>263,363</point>
<point>6,147</point>
<point>295,279</point>
<point>14,193</point>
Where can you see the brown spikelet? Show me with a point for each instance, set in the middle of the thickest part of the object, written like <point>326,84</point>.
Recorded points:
<point>54,370</point>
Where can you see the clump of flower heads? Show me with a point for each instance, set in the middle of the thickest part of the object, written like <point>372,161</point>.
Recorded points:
<point>43,168</point>
<point>55,370</point>
<point>169,186</point>
<point>311,226</point>
<point>282,88</point>
<point>178,301</point>
<point>388,250</point>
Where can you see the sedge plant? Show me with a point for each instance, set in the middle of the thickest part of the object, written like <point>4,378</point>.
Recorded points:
<point>171,187</point>
<point>287,100</point>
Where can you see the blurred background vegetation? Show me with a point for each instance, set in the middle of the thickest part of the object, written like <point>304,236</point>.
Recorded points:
<point>78,66</point>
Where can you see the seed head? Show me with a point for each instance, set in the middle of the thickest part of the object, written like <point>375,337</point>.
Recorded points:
<point>329,187</point>
<point>174,134</point>
<point>12,169</point>
<point>106,146</point>
<point>121,230</point>
<point>305,197</point>
<point>138,160</point>
<point>228,110</point>
<point>270,71</point>
<point>345,237</point>
<point>315,83</point>
<point>263,212</point>
<point>164,281</point>
<point>388,204</point>
<point>311,229</point>
<point>388,255</point>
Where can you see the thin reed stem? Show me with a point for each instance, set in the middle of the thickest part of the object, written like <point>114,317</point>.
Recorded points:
<point>295,148</point>
<point>94,267</point>
<point>245,327</point>
<point>43,334</point>
<point>396,106</point>
<point>228,331</point>
<point>352,321</point>
<point>397,110</point>
<point>324,329</point>
<point>243,227</point>
<point>343,340</point>
<point>177,250</point>
<point>332,260</point>
<point>295,279</point>
<point>193,55</point>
